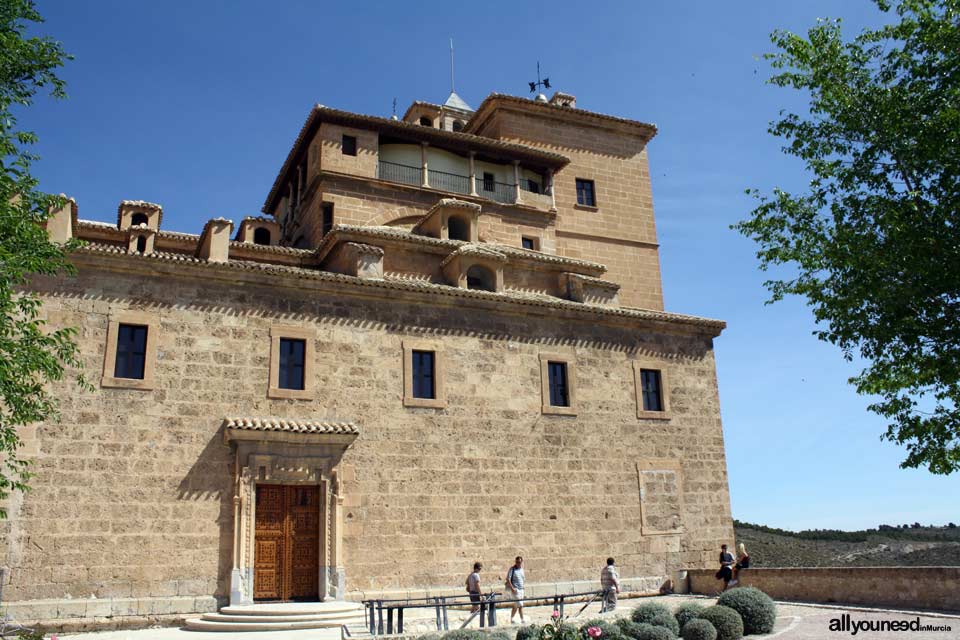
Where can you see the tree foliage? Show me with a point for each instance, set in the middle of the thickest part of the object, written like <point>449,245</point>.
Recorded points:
<point>31,356</point>
<point>873,244</point>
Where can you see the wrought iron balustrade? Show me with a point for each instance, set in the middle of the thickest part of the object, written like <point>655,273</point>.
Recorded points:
<point>449,181</point>
<point>499,191</point>
<point>402,173</point>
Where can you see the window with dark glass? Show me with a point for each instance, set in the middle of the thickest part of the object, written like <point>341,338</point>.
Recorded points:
<point>349,145</point>
<point>487,181</point>
<point>559,392</point>
<point>327,217</point>
<point>585,193</point>
<point>423,365</point>
<point>528,243</point>
<point>457,125</point>
<point>650,389</point>
<point>292,360</point>
<point>131,351</point>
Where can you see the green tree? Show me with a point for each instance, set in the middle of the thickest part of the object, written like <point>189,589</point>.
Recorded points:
<point>31,356</point>
<point>874,244</point>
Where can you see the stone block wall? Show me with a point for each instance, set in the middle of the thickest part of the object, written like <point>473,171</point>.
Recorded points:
<point>936,588</point>
<point>133,492</point>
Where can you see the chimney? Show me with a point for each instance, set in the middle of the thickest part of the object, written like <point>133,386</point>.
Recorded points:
<point>561,99</point>
<point>60,221</point>
<point>214,245</point>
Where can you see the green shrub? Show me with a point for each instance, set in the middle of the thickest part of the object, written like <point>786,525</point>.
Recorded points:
<point>725,620</point>
<point>627,627</point>
<point>687,612</point>
<point>608,629</point>
<point>666,620</point>
<point>646,611</point>
<point>499,635</point>
<point>652,632</point>
<point>698,629</point>
<point>756,609</point>
<point>530,632</point>
<point>464,634</point>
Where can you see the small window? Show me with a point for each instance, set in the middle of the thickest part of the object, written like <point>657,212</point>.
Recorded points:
<point>528,243</point>
<point>349,145</point>
<point>141,244</point>
<point>650,389</point>
<point>585,193</point>
<point>327,217</point>
<point>457,125</point>
<point>261,236</point>
<point>488,181</point>
<point>292,360</point>
<point>131,352</point>
<point>139,218</point>
<point>458,229</point>
<point>559,391</point>
<point>424,375</point>
<point>426,122</point>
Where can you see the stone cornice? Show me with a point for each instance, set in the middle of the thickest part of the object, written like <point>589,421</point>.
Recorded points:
<point>279,276</point>
<point>478,250</point>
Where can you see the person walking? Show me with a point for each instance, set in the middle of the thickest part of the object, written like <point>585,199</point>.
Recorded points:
<point>473,587</point>
<point>610,583</point>
<point>514,583</point>
<point>726,566</point>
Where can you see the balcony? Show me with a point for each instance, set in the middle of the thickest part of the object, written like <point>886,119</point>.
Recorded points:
<point>456,183</point>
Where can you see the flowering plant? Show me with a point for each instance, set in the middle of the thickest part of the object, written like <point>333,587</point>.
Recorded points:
<point>558,629</point>
<point>594,632</point>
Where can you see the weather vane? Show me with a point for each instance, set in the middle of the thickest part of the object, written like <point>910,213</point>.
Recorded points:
<point>545,83</point>
<point>394,108</point>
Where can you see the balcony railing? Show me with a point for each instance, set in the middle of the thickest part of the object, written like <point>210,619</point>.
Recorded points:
<point>456,183</point>
<point>405,174</point>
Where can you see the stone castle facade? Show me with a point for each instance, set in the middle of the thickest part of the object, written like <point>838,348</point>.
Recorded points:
<point>445,342</point>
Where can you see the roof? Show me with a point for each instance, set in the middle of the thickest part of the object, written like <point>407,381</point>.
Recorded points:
<point>489,103</point>
<point>291,426</point>
<point>449,139</point>
<point>456,102</point>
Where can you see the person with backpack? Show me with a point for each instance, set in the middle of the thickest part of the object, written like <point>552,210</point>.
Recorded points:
<point>473,587</point>
<point>514,585</point>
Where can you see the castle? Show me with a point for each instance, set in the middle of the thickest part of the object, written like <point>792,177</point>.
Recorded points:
<point>444,342</point>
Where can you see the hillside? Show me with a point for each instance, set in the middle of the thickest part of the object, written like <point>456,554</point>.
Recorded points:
<point>884,546</point>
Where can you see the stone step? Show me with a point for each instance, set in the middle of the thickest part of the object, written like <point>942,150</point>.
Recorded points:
<point>326,617</point>
<point>323,633</point>
<point>295,608</point>
<point>325,620</point>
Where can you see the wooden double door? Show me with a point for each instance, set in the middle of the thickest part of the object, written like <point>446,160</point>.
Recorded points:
<point>287,543</point>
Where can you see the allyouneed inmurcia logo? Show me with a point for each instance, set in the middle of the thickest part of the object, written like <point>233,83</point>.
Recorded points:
<point>846,623</point>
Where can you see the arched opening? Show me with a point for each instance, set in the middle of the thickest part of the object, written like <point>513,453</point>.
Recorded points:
<point>457,125</point>
<point>458,229</point>
<point>261,236</point>
<point>481,278</point>
<point>141,244</point>
<point>139,218</point>
<point>425,121</point>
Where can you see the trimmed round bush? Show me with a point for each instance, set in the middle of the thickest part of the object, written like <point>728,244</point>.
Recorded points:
<point>499,635</point>
<point>756,609</point>
<point>698,629</point>
<point>647,631</point>
<point>464,634</point>
<point>627,627</point>
<point>666,620</point>
<point>607,628</point>
<point>725,620</point>
<point>530,632</point>
<point>687,612</point>
<point>646,611</point>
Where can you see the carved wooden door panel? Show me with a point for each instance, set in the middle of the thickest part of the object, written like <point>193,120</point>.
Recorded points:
<point>287,543</point>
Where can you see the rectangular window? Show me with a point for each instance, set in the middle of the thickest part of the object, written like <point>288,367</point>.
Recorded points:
<point>533,186</point>
<point>559,396</point>
<point>528,243</point>
<point>349,145</point>
<point>650,390</point>
<point>585,193</point>
<point>488,181</point>
<point>327,217</point>
<point>292,360</point>
<point>131,351</point>
<point>423,375</point>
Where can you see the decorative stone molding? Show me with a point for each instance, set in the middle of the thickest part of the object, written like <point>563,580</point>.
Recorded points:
<point>129,208</point>
<point>436,223</point>
<point>356,259</point>
<point>589,290</point>
<point>214,244</point>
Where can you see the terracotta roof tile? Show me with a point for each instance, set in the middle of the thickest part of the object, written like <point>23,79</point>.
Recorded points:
<point>291,426</point>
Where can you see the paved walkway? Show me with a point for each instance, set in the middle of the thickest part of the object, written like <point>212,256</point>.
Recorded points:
<point>794,622</point>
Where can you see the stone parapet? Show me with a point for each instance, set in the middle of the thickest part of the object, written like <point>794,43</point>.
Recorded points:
<point>936,588</point>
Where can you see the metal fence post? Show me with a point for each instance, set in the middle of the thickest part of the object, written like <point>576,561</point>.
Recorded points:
<point>446,622</point>
<point>389,620</point>
<point>492,621</point>
<point>483,613</point>
<point>372,617</point>
<point>379,617</point>
<point>437,605</point>
<point>400,620</point>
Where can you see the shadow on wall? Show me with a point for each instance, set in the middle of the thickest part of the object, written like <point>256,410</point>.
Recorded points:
<point>211,478</point>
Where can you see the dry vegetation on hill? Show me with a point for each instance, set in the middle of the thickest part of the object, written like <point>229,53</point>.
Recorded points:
<point>882,547</point>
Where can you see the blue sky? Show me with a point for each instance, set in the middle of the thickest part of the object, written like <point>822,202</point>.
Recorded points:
<point>195,105</point>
